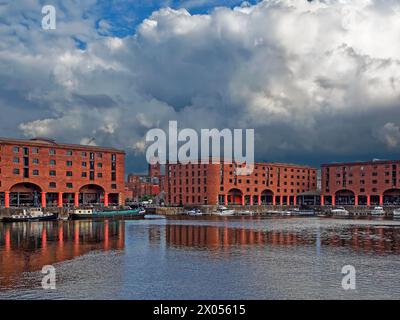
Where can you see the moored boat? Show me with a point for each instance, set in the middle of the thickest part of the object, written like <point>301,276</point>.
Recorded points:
<point>340,211</point>
<point>378,211</point>
<point>396,213</point>
<point>80,214</point>
<point>245,213</point>
<point>194,212</point>
<point>30,215</point>
<point>224,211</point>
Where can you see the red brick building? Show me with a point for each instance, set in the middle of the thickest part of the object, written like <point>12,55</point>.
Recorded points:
<point>361,183</point>
<point>139,186</point>
<point>269,183</point>
<point>44,172</point>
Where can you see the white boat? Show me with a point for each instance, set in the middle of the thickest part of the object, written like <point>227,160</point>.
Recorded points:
<point>224,211</point>
<point>302,212</point>
<point>194,212</point>
<point>377,211</point>
<point>340,211</point>
<point>245,213</point>
<point>396,213</point>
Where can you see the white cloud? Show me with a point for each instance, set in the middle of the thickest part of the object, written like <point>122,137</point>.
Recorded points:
<point>307,77</point>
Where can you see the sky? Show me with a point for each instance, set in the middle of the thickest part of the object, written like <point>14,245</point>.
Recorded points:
<point>319,81</point>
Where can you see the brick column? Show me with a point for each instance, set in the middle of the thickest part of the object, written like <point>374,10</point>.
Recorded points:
<point>7,199</point>
<point>356,200</point>
<point>251,200</point>
<point>280,200</point>
<point>106,199</point>
<point>120,200</point>
<point>226,200</point>
<point>273,200</point>
<point>44,202</point>
<point>333,200</point>
<point>242,200</point>
<point>381,200</point>
<point>60,199</point>
<point>322,200</point>
<point>368,200</point>
<point>259,199</point>
<point>295,200</point>
<point>288,200</point>
<point>76,199</point>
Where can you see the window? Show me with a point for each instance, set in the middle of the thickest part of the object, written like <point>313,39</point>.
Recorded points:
<point>84,154</point>
<point>99,155</point>
<point>99,175</point>
<point>69,163</point>
<point>69,173</point>
<point>35,150</point>
<point>69,185</point>
<point>84,164</point>
<point>35,161</point>
<point>16,149</point>
<point>100,165</point>
<point>52,185</point>
<point>113,186</point>
<point>84,174</point>
<point>52,173</point>
<point>52,162</point>
<point>52,152</point>
<point>113,176</point>
<point>15,171</point>
<point>113,157</point>
<point>16,160</point>
<point>69,153</point>
<point>35,172</point>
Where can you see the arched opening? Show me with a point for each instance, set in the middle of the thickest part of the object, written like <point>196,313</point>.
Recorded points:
<point>25,194</point>
<point>344,197</point>
<point>235,196</point>
<point>91,194</point>
<point>267,197</point>
<point>391,197</point>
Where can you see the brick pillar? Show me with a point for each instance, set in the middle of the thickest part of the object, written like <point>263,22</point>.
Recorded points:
<point>322,200</point>
<point>242,200</point>
<point>295,200</point>
<point>7,199</point>
<point>60,199</point>
<point>226,200</point>
<point>120,199</point>
<point>381,200</point>
<point>76,199</point>
<point>356,200</point>
<point>251,200</point>
<point>259,199</point>
<point>368,200</point>
<point>106,199</point>
<point>273,200</point>
<point>44,202</point>
<point>280,200</point>
<point>333,200</point>
<point>288,200</point>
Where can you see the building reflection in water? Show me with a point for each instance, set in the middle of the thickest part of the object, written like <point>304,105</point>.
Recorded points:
<point>27,247</point>
<point>373,239</point>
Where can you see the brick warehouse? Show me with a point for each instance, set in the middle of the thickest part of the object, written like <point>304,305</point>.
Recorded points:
<point>44,172</point>
<point>361,183</point>
<point>139,185</point>
<point>269,183</point>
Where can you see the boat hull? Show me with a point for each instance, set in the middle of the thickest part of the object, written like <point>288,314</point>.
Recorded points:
<point>108,215</point>
<point>29,219</point>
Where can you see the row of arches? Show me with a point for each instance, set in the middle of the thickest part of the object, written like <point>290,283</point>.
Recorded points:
<point>30,194</point>
<point>341,197</point>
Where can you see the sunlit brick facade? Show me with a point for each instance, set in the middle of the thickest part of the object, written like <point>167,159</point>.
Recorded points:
<point>361,183</point>
<point>44,172</point>
<point>269,183</point>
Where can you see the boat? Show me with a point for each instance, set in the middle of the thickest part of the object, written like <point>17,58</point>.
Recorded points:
<point>224,211</point>
<point>378,211</point>
<point>302,212</point>
<point>245,213</point>
<point>31,215</point>
<point>396,213</point>
<point>194,212</point>
<point>79,214</point>
<point>340,211</point>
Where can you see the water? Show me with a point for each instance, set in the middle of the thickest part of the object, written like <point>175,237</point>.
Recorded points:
<point>201,258</point>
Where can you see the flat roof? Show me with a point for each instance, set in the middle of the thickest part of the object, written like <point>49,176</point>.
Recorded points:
<point>45,142</point>
<point>356,163</point>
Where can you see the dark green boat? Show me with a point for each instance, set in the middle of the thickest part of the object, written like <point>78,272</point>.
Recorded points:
<point>81,214</point>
